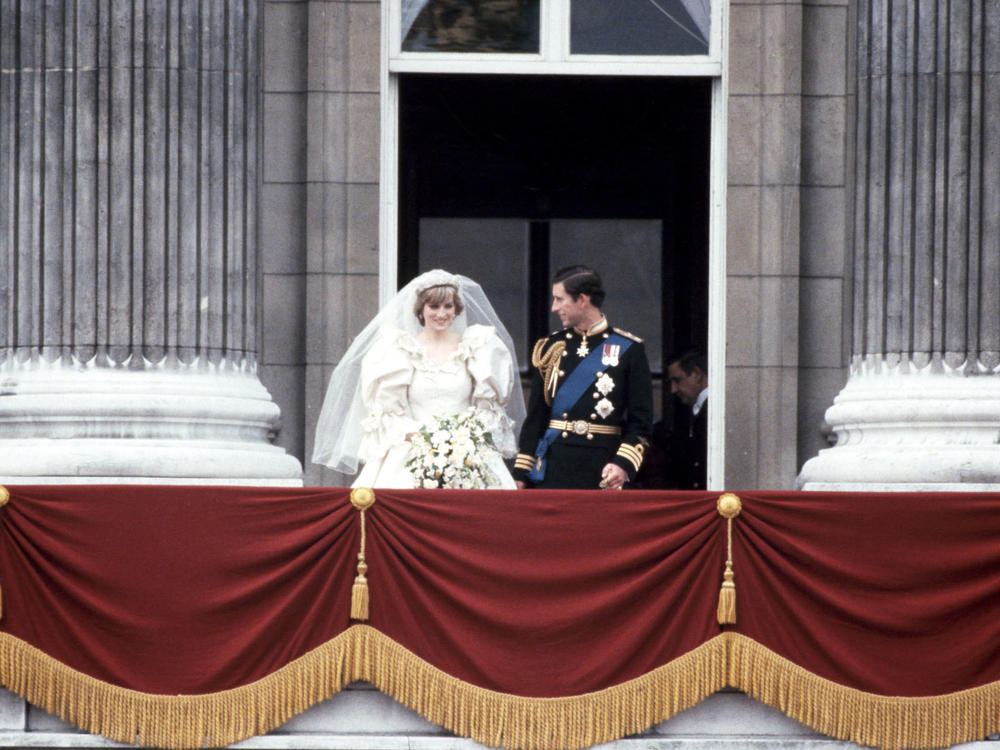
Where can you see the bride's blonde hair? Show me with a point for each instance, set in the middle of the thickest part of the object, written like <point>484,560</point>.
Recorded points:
<point>435,295</point>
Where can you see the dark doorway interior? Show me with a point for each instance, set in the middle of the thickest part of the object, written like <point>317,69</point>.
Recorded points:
<point>505,177</point>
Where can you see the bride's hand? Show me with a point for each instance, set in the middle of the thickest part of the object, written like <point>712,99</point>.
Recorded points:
<point>409,437</point>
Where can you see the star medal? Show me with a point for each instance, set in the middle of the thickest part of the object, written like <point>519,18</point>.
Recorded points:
<point>605,384</point>
<point>609,357</point>
<point>604,408</point>
<point>583,350</point>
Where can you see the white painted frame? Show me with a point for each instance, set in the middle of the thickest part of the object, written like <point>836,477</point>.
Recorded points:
<point>554,59</point>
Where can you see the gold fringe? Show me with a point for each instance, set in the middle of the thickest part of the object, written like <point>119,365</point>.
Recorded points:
<point>496,719</point>
<point>361,653</point>
<point>168,721</point>
<point>519,723</point>
<point>890,723</point>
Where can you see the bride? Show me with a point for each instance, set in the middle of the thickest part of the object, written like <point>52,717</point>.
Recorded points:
<point>436,350</point>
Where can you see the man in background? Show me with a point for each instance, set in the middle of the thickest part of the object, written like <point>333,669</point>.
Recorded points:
<point>688,443</point>
<point>676,456</point>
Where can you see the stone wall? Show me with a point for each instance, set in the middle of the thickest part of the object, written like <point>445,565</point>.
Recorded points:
<point>320,201</point>
<point>786,238</point>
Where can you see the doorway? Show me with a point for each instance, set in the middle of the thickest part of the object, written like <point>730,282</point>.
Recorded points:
<point>506,178</point>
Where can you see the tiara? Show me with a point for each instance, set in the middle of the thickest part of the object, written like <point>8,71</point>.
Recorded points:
<point>437,277</point>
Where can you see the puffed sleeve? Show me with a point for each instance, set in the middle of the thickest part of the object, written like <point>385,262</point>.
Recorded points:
<point>493,377</point>
<point>386,374</point>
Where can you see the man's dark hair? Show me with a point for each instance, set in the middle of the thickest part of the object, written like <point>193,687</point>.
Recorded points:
<point>577,280</point>
<point>689,359</point>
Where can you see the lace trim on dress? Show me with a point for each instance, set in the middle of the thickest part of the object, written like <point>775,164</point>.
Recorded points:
<point>475,342</point>
<point>465,351</point>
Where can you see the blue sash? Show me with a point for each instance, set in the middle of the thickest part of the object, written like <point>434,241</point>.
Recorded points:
<point>570,392</point>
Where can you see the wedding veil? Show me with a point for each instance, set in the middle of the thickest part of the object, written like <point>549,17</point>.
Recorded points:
<point>339,431</point>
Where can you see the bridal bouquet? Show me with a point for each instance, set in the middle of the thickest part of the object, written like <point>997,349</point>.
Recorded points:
<point>451,452</point>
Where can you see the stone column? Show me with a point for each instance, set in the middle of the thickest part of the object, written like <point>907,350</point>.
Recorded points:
<point>128,245</point>
<point>767,151</point>
<point>921,408</point>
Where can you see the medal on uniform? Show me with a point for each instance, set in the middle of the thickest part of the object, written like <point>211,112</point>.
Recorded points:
<point>609,357</point>
<point>604,408</point>
<point>605,383</point>
<point>583,350</point>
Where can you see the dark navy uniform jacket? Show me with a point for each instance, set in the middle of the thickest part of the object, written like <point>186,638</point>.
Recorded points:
<point>621,396</point>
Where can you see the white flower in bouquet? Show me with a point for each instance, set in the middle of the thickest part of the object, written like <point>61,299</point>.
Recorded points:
<point>452,453</point>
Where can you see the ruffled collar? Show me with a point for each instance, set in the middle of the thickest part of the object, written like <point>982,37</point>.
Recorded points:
<point>463,352</point>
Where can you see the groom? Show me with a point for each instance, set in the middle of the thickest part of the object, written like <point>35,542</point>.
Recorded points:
<point>591,396</point>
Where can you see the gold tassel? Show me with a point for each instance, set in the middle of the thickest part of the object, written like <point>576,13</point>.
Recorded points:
<point>726,612</point>
<point>359,592</point>
<point>362,498</point>
<point>4,498</point>
<point>729,506</point>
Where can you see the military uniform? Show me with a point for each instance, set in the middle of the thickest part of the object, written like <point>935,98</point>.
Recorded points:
<point>609,422</point>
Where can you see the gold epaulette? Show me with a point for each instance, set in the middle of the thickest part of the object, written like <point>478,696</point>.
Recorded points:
<point>547,363</point>
<point>627,335</point>
<point>536,352</point>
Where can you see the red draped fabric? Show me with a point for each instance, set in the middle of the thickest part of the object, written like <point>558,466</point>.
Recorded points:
<point>545,593</point>
<point>507,596</point>
<point>894,594</point>
<point>175,590</point>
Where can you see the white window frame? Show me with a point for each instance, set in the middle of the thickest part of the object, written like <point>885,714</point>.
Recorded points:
<point>554,59</point>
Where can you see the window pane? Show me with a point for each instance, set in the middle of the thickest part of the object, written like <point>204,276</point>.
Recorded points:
<point>470,25</point>
<point>627,255</point>
<point>639,27</point>
<point>490,251</point>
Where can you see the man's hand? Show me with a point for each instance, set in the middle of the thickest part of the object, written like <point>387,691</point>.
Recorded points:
<point>520,485</point>
<point>613,477</point>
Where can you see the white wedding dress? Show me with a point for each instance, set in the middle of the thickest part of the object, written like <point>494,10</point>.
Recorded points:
<point>402,389</point>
